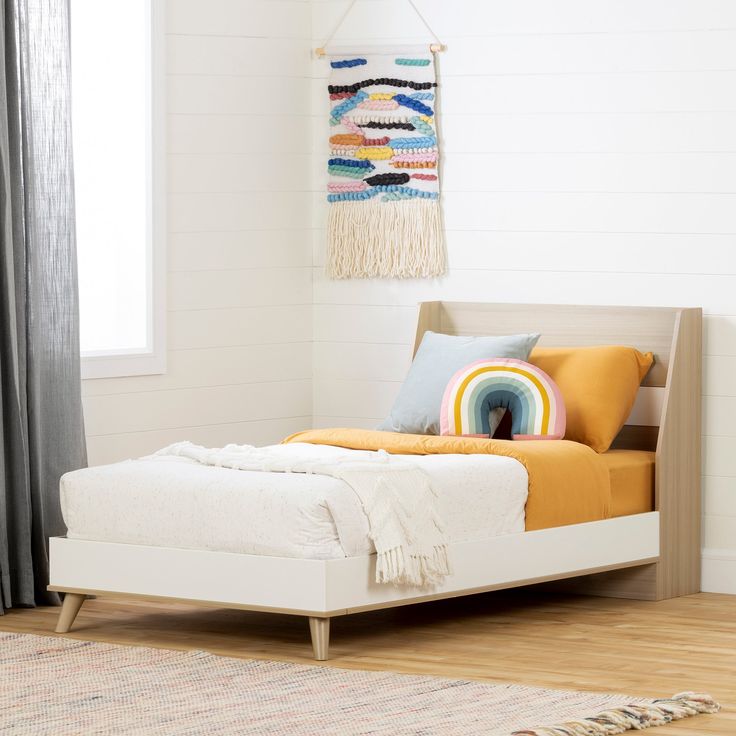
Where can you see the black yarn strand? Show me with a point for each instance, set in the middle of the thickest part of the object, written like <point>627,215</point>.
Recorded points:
<point>334,88</point>
<point>386,179</point>
<point>388,126</point>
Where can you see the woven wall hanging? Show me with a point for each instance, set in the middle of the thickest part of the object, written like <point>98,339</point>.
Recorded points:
<point>383,169</point>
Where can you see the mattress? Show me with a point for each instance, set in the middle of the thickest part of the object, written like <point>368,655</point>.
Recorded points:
<point>176,502</point>
<point>632,481</point>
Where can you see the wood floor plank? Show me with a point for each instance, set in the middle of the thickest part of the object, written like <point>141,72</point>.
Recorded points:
<point>569,642</point>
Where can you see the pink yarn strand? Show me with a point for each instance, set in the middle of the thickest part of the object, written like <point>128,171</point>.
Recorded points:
<point>353,186</point>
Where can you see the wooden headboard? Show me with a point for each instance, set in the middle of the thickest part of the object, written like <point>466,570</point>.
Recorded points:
<point>667,416</point>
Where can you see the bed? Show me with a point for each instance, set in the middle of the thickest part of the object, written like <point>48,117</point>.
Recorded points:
<point>172,530</point>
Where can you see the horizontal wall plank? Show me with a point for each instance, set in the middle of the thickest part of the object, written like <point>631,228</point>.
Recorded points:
<point>719,335</point>
<point>718,414</point>
<point>137,412</point>
<point>635,92</point>
<point>719,456</point>
<point>355,422</point>
<point>719,377</point>
<point>213,251</point>
<point>192,329</point>
<point>236,55</point>
<point>370,323</point>
<point>360,399</point>
<point>616,131</point>
<point>238,211</point>
<point>189,290</point>
<point>592,53</point>
<point>205,132</point>
<point>363,361</point>
<point>232,172</point>
<point>492,17</point>
<point>237,94</point>
<point>116,447</point>
<point>719,495</point>
<point>272,18</point>
<point>654,253</point>
<point>720,531</point>
<point>216,367</point>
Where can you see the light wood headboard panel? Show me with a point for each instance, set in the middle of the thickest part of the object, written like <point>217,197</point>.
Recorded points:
<point>644,328</point>
<point>674,336</point>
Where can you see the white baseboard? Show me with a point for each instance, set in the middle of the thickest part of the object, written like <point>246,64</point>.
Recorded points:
<point>719,571</point>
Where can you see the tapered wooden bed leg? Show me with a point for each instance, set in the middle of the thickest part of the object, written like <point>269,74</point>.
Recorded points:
<point>69,610</point>
<point>319,628</point>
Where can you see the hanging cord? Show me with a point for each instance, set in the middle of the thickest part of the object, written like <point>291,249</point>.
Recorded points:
<point>426,25</point>
<point>336,28</point>
<point>435,47</point>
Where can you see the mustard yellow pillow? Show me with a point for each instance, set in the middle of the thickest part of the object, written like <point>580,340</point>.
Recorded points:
<point>599,386</point>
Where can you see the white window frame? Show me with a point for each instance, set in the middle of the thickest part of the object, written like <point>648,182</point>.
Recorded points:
<point>152,360</point>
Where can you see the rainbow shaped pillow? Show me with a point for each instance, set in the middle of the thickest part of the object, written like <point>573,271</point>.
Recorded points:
<point>532,397</point>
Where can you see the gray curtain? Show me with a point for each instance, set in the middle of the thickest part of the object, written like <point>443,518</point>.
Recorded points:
<point>42,433</point>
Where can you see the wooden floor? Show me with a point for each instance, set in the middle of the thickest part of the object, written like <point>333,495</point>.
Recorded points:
<point>584,643</point>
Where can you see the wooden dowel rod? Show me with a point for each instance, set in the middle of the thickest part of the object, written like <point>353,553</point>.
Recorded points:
<point>435,48</point>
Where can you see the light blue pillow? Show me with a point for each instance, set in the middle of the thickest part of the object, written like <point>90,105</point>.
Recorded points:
<point>417,407</point>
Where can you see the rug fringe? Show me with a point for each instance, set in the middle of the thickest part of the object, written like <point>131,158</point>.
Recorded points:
<point>373,239</point>
<point>632,717</point>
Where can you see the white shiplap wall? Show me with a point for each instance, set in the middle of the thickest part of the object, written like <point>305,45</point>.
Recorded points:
<point>239,260</point>
<point>589,157</point>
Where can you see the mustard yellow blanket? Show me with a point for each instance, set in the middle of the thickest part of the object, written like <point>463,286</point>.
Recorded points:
<point>568,482</point>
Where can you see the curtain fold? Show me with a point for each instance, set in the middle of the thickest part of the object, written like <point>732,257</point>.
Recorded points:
<point>42,428</point>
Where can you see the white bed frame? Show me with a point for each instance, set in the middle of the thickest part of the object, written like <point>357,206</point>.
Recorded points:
<point>652,555</point>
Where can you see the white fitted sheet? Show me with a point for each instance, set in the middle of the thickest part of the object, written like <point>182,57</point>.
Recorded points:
<point>176,502</point>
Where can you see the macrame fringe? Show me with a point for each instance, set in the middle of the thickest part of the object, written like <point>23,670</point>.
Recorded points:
<point>402,239</point>
<point>632,717</point>
<point>400,568</point>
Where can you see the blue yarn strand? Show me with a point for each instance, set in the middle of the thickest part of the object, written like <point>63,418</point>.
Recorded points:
<point>347,63</point>
<point>402,192</point>
<point>339,110</point>
<point>412,62</point>
<point>413,104</point>
<point>350,162</point>
<point>427,141</point>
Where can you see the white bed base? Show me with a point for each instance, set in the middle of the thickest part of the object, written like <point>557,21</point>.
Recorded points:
<point>322,589</point>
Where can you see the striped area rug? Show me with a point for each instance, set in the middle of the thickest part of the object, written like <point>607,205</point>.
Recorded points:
<point>64,686</point>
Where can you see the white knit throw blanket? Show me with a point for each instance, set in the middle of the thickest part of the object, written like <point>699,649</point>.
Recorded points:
<point>396,495</point>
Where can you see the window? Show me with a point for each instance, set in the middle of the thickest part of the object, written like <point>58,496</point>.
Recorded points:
<point>116,47</point>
